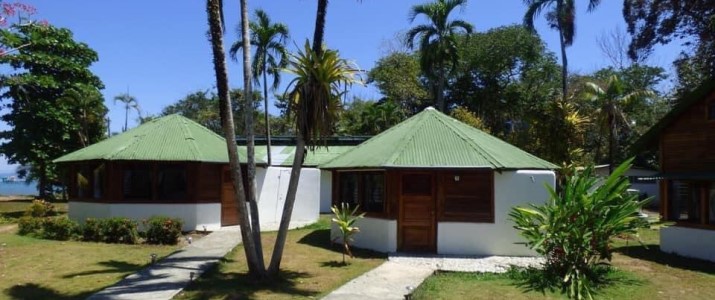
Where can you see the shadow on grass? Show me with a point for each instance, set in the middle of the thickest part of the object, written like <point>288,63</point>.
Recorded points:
<point>113,266</point>
<point>35,291</point>
<point>321,239</point>
<point>652,253</point>
<point>233,285</point>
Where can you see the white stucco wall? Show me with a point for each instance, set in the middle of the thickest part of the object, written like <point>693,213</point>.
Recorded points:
<point>272,188</point>
<point>511,188</point>
<point>326,191</point>
<point>196,216</point>
<point>689,242</point>
<point>375,234</point>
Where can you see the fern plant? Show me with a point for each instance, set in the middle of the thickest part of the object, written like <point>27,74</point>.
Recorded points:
<point>345,219</point>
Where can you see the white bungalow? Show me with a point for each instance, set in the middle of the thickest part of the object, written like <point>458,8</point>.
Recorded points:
<point>433,184</point>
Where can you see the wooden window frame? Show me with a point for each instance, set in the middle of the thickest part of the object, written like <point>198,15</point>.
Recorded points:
<point>361,191</point>
<point>704,203</point>
<point>484,218</point>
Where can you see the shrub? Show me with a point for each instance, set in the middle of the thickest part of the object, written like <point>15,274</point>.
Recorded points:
<point>573,230</point>
<point>112,230</point>
<point>40,208</point>
<point>59,228</point>
<point>163,230</point>
<point>119,230</point>
<point>345,218</point>
<point>29,226</point>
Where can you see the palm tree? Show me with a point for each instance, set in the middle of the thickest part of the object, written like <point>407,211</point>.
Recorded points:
<point>437,40</point>
<point>271,56</point>
<point>610,100</point>
<point>130,102</point>
<point>562,17</point>
<point>314,99</point>
<point>215,20</point>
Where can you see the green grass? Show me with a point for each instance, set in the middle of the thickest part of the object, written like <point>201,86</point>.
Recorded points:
<point>310,269</point>
<point>641,271</point>
<point>41,269</point>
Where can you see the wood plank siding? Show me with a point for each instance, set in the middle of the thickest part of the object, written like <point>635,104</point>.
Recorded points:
<point>688,143</point>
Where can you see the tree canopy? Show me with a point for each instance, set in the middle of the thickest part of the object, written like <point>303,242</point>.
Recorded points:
<point>50,84</point>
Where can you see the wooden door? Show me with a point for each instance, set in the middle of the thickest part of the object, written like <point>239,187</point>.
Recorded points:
<point>229,208</point>
<point>417,223</point>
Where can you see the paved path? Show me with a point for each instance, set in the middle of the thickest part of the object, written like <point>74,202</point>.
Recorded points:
<point>390,280</point>
<point>402,273</point>
<point>170,275</point>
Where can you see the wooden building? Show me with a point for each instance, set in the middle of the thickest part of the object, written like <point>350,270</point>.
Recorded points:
<point>433,184</point>
<point>686,140</point>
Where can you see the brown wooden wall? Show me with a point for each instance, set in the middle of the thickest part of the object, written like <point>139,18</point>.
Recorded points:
<point>688,143</point>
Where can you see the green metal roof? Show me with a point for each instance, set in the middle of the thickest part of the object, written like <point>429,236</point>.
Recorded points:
<point>432,139</point>
<point>170,138</point>
<point>283,155</point>
<point>650,138</point>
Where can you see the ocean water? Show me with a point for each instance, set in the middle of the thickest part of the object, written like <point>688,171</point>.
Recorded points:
<point>17,188</point>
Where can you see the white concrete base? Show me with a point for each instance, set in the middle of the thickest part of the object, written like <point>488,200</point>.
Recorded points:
<point>688,242</point>
<point>375,234</point>
<point>196,216</point>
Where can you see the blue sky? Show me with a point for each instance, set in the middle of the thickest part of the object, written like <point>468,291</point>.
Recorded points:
<point>157,50</point>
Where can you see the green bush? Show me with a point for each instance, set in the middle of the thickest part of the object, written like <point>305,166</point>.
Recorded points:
<point>30,226</point>
<point>112,230</point>
<point>574,229</point>
<point>163,230</point>
<point>59,228</point>
<point>40,208</point>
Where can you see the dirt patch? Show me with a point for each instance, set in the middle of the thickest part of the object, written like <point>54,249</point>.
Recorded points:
<point>9,228</point>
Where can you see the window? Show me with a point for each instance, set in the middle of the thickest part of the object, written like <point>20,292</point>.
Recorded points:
<point>417,184</point>
<point>98,182</point>
<point>83,182</point>
<point>467,197</point>
<point>172,183</point>
<point>366,189</point>
<point>711,110</point>
<point>137,182</point>
<point>685,201</point>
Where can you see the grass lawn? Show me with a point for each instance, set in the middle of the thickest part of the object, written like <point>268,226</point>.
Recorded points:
<point>641,272</point>
<point>41,269</point>
<point>310,269</point>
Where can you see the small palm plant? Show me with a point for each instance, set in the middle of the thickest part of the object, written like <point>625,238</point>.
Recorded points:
<point>574,229</point>
<point>345,218</point>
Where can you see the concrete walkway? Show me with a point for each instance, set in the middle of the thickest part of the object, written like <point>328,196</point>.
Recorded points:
<point>170,275</point>
<point>391,280</point>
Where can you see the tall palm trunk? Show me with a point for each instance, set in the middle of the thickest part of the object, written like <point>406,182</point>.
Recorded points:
<point>320,26</point>
<point>275,265</point>
<point>213,9</point>
<point>611,136</point>
<point>250,141</point>
<point>562,41</point>
<point>265,113</point>
<point>126,117</point>
<point>440,89</point>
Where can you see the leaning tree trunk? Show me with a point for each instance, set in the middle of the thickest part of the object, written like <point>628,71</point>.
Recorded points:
<point>265,113</point>
<point>275,265</point>
<point>213,9</point>
<point>250,142</point>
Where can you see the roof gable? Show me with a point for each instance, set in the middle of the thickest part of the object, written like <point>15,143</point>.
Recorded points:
<point>170,138</point>
<point>432,139</point>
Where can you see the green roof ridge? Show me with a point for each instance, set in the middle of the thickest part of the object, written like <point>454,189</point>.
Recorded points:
<point>484,153</point>
<point>410,138</point>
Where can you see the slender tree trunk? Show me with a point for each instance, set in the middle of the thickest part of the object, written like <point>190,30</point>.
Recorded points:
<point>250,141</point>
<point>320,26</point>
<point>42,182</point>
<point>564,60</point>
<point>265,113</point>
<point>213,9</point>
<point>126,117</point>
<point>275,265</point>
<point>440,89</point>
<point>611,135</point>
